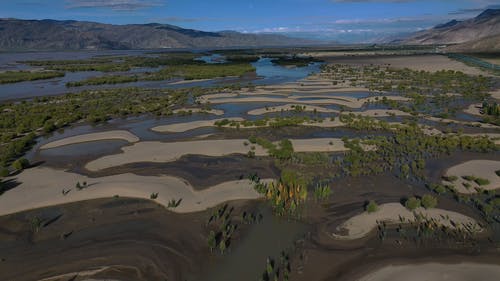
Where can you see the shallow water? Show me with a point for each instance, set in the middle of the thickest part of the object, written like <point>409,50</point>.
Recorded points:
<point>268,72</point>
<point>247,258</point>
<point>213,59</point>
<point>275,74</point>
<point>94,148</point>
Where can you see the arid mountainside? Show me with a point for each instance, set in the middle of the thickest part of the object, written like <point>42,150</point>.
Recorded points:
<point>487,24</point>
<point>488,44</point>
<point>76,35</point>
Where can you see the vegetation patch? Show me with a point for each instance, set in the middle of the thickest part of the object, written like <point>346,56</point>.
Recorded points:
<point>19,76</point>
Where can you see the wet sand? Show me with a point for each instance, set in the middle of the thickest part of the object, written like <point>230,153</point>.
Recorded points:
<point>103,239</point>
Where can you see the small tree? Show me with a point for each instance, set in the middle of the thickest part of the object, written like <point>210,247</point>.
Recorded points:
<point>212,243</point>
<point>222,246</point>
<point>429,201</point>
<point>371,206</point>
<point>4,172</point>
<point>412,203</point>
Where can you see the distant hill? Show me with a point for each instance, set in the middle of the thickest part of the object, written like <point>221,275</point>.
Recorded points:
<point>487,24</point>
<point>18,34</point>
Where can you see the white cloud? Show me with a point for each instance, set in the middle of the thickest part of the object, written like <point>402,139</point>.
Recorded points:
<point>116,5</point>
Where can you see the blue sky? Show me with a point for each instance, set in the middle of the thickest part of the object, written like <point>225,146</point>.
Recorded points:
<point>344,20</point>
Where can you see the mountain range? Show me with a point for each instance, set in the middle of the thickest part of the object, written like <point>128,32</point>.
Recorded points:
<point>18,34</point>
<point>478,34</point>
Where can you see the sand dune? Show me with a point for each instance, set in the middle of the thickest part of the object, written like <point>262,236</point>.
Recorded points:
<point>108,135</point>
<point>42,187</point>
<point>484,169</point>
<point>361,225</point>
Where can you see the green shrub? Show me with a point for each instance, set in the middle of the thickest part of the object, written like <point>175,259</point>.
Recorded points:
<point>4,172</point>
<point>322,192</point>
<point>450,178</point>
<point>469,178</point>
<point>20,164</point>
<point>371,206</point>
<point>412,203</point>
<point>481,181</point>
<point>429,201</point>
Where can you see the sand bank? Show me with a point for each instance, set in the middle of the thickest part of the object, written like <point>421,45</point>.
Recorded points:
<point>41,187</point>
<point>474,124</point>
<point>108,135</point>
<point>484,169</point>
<point>183,127</point>
<point>345,101</point>
<point>181,82</point>
<point>495,94</point>
<point>153,151</point>
<point>435,272</point>
<point>430,63</point>
<point>318,145</point>
<point>362,224</point>
<point>381,113</point>
<point>290,107</point>
<point>474,109</point>
<point>198,110</point>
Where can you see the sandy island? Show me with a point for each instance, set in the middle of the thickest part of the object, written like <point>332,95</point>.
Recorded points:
<point>361,225</point>
<point>108,135</point>
<point>484,169</point>
<point>467,123</point>
<point>430,63</point>
<point>183,127</point>
<point>154,151</point>
<point>290,107</point>
<point>199,110</point>
<point>435,272</point>
<point>324,99</point>
<point>474,109</point>
<point>41,187</point>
